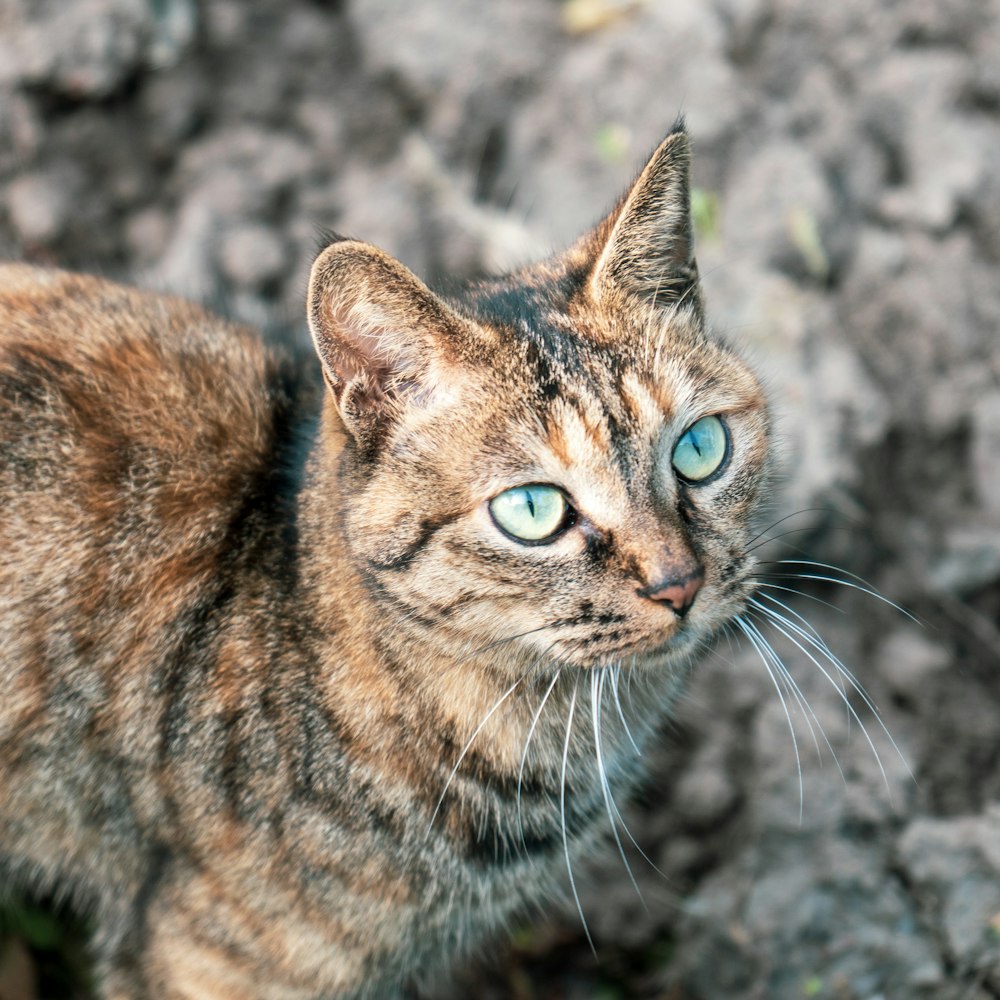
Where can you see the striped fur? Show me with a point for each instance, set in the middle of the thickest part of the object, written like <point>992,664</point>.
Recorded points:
<point>249,623</point>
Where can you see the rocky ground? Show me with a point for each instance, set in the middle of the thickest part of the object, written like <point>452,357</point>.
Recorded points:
<point>848,207</point>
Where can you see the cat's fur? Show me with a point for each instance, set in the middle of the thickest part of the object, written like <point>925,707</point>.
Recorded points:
<point>249,623</point>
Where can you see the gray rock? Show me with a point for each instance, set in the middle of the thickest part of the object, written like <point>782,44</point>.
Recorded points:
<point>252,255</point>
<point>88,49</point>
<point>954,865</point>
<point>970,560</point>
<point>909,660</point>
<point>39,205</point>
<point>779,206</point>
<point>985,452</point>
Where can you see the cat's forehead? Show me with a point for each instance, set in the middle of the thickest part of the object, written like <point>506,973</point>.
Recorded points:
<point>636,366</point>
<point>585,402</point>
<point>581,393</point>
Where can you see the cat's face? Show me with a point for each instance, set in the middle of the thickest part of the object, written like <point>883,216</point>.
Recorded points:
<point>562,459</point>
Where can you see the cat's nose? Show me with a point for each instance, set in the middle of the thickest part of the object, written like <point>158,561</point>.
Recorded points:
<point>677,592</point>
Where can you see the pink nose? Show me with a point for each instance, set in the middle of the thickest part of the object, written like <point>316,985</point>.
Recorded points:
<point>678,594</point>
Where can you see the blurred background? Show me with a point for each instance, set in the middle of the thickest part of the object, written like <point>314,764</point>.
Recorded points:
<point>847,201</point>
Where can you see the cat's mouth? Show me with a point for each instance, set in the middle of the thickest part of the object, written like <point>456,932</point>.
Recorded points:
<point>649,642</point>
<point>628,647</point>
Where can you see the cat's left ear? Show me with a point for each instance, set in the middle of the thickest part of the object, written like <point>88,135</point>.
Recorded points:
<point>648,243</point>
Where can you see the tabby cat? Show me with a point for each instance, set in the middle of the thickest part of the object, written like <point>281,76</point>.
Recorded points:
<point>307,688</point>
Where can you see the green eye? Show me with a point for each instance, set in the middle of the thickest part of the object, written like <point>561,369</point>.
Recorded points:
<point>701,450</point>
<point>531,513</point>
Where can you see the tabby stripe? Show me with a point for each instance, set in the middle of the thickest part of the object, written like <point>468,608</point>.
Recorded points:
<point>427,528</point>
<point>384,596</point>
<point>491,845</point>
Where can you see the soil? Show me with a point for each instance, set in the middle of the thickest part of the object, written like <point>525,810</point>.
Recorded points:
<point>848,206</point>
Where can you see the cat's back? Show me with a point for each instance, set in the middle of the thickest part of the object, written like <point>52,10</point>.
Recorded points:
<point>88,365</point>
<point>136,432</point>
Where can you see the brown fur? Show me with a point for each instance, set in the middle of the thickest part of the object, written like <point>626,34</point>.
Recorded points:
<point>248,627</point>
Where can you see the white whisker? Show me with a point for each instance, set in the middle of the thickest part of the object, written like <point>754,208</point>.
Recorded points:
<point>801,619</point>
<point>800,593</point>
<point>819,643</point>
<point>524,755</point>
<point>465,749</point>
<point>597,678</point>
<point>615,675</point>
<point>800,698</point>
<point>621,819</point>
<point>791,685</point>
<point>748,630</point>
<point>790,630</point>
<point>785,609</point>
<point>562,814</point>
<point>862,584</point>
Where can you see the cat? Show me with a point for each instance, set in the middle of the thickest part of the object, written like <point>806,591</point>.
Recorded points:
<point>310,671</point>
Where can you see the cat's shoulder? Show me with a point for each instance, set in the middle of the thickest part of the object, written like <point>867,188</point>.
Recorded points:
<point>97,307</point>
<point>84,352</point>
<point>69,322</point>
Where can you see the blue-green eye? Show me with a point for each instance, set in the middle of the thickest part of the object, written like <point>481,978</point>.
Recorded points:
<point>701,450</point>
<point>531,513</point>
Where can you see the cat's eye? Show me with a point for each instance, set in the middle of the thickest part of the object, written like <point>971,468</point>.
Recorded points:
<point>701,450</point>
<point>532,514</point>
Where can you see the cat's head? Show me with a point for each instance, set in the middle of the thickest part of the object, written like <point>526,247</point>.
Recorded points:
<point>563,455</point>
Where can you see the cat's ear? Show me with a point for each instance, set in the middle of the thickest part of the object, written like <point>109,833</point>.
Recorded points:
<point>645,249</point>
<point>382,336</point>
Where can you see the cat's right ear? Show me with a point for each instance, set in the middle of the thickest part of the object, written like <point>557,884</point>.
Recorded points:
<point>382,336</point>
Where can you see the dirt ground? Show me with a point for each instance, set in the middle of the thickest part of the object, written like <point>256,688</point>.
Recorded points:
<point>848,208</point>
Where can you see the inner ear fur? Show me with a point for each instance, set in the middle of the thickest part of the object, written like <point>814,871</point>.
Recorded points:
<point>645,248</point>
<point>381,334</point>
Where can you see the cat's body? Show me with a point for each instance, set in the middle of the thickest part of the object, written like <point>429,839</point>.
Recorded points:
<point>250,625</point>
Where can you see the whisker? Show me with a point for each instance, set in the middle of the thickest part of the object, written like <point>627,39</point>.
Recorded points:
<point>800,593</point>
<point>862,584</point>
<point>596,698</point>
<point>748,630</point>
<point>790,630</point>
<point>808,626</point>
<point>629,673</point>
<point>801,699</point>
<point>823,565</point>
<point>785,608</point>
<point>843,673</point>
<point>773,619</point>
<point>853,586</point>
<point>814,639</point>
<point>621,819</point>
<point>562,814</point>
<point>524,755</point>
<point>781,520</point>
<point>465,749</point>
<point>791,686</point>
<point>615,675</point>
<point>500,642</point>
